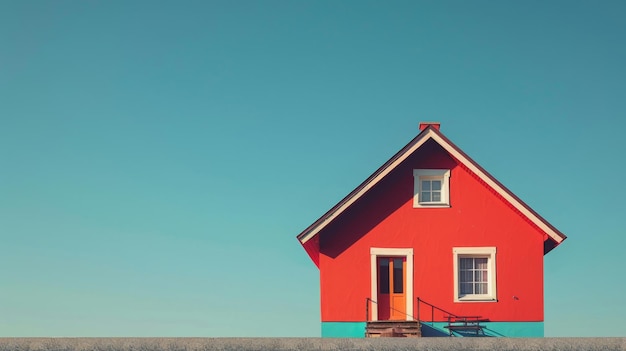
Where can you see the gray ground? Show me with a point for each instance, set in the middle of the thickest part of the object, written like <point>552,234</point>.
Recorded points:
<point>192,344</point>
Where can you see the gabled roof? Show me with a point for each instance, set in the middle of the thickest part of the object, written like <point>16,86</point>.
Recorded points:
<point>429,132</point>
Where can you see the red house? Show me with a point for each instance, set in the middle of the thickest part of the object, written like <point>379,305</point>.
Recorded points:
<point>431,244</point>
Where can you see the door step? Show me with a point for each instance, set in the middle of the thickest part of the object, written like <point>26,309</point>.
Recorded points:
<point>393,329</point>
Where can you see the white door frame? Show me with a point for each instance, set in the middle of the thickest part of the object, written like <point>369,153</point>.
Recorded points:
<point>375,252</point>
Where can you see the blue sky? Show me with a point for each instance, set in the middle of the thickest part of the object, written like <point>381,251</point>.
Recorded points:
<point>157,159</point>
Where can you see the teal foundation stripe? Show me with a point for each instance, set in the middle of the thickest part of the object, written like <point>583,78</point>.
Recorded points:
<point>495,329</point>
<point>343,329</point>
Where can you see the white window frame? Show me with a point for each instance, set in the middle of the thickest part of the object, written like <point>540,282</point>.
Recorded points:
<point>375,252</point>
<point>431,174</point>
<point>478,252</point>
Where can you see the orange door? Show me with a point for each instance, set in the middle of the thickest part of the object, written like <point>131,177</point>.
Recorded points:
<point>392,288</point>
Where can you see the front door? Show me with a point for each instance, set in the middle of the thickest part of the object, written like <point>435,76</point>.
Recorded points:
<point>392,288</point>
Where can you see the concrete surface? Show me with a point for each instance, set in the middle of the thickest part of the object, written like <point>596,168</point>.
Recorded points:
<point>395,344</point>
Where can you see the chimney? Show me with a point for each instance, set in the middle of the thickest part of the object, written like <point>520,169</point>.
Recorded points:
<point>424,125</point>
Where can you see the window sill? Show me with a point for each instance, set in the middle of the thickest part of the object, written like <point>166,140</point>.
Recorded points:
<point>442,205</point>
<point>475,299</point>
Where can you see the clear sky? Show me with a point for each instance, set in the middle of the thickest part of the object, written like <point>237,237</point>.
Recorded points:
<point>157,159</point>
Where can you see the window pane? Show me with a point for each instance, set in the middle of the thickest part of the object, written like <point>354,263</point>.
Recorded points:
<point>383,275</point>
<point>466,288</point>
<point>425,196</point>
<point>398,276</point>
<point>426,185</point>
<point>436,196</point>
<point>466,263</point>
<point>480,288</point>
<point>436,184</point>
<point>466,277</point>
<point>481,263</point>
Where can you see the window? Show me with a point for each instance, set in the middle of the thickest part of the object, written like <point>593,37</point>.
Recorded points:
<point>474,273</point>
<point>383,276</point>
<point>398,276</point>
<point>431,188</point>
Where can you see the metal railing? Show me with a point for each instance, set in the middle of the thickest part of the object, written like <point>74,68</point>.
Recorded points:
<point>444,316</point>
<point>367,310</point>
<point>433,308</point>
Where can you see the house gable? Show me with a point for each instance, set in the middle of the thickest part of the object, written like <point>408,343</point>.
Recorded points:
<point>428,140</point>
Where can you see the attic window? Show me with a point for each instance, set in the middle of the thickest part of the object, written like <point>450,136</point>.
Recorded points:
<point>431,188</point>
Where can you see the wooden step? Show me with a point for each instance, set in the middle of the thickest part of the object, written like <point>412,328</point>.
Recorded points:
<point>401,329</point>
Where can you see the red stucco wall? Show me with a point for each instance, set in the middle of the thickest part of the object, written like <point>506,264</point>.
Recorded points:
<point>385,218</point>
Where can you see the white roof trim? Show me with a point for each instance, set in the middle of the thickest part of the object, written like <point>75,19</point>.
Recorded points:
<point>367,187</point>
<point>504,193</point>
<point>431,134</point>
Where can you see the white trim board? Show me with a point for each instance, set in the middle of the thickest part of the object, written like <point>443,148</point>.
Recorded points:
<point>490,253</point>
<point>375,252</point>
<point>438,174</point>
